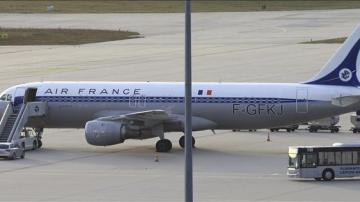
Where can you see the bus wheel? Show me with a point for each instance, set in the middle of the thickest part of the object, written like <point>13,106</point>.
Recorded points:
<point>317,178</point>
<point>328,175</point>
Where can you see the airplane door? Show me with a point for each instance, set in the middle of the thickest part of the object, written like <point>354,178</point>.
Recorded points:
<point>302,101</point>
<point>19,95</point>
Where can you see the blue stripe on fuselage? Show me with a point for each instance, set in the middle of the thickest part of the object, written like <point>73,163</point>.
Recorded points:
<point>152,99</point>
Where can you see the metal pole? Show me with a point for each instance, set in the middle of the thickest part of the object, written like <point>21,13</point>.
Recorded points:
<point>188,98</point>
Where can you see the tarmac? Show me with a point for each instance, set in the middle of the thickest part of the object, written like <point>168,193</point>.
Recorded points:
<point>227,47</point>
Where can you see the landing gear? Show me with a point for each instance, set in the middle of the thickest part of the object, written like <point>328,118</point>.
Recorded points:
<point>182,142</point>
<point>163,145</point>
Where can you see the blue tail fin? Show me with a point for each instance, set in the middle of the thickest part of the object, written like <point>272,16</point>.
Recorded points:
<point>343,69</point>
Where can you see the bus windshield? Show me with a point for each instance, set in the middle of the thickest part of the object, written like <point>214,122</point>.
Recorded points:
<point>293,158</point>
<point>293,162</point>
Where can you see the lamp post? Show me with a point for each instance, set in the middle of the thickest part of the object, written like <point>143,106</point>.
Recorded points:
<point>188,98</point>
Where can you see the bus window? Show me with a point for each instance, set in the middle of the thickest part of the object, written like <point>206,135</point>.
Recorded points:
<point>355,159</point>
<point>338,158</point>
<point>330,158</point>
<point>346,158</point>
<point>322,160</point>
<point>308,160</point>
<point>326,158</point>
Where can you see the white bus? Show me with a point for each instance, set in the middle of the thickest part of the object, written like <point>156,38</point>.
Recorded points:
<point>320,162</point>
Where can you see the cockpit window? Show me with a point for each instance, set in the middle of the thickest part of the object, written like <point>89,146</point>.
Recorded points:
<point>6,97</point>
<point>3,97</point>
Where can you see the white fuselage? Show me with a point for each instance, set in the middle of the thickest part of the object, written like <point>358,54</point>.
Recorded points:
<point>221,105</point>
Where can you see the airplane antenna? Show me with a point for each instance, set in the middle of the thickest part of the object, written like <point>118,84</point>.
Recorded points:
<point>188,98</point>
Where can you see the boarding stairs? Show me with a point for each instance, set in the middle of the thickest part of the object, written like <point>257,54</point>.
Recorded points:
<point>15,118</point>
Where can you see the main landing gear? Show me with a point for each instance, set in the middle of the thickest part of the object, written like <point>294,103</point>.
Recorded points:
<point>165,145</point>
<point>182,142</point>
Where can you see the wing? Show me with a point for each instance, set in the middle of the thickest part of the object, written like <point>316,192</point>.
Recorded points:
<point>155,115</point>
<point>150,118</point>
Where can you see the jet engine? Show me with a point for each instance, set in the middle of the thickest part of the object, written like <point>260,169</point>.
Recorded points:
<point>103,133</point>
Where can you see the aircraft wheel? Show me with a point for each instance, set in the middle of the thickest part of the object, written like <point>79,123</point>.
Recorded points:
<point>163,145</point>
<point>182,142</point>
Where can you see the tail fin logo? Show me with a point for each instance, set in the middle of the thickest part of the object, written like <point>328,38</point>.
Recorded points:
<point>345,75</point>
<point>343,69</point>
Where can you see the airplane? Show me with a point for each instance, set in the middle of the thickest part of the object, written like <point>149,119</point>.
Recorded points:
<point>112,112</point>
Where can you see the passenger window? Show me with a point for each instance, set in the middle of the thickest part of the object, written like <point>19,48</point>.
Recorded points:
<point>355,159</point>
<point>323,158</point>
<point>308,160</point>
<point>346,158</point>
<point>338,158</point>
<point>330,156</point>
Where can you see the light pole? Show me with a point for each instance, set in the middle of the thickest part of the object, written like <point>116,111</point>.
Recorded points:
<point>188,98</point>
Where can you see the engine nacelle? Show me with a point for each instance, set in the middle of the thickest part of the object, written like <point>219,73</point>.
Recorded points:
<point>103,133</point>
